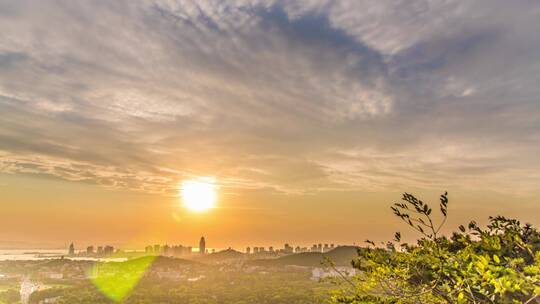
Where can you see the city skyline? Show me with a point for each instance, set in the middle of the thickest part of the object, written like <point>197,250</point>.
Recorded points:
<point>255,247</point>
<point>159,248</point>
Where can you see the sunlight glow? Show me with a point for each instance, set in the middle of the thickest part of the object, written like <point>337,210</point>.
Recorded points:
<point>199,194</point>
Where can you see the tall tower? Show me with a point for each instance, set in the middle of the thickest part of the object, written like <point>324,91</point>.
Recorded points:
<point>202,246</point>
<point>71,249</point>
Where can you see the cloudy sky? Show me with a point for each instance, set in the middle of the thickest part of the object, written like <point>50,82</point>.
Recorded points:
<point>312,116</point>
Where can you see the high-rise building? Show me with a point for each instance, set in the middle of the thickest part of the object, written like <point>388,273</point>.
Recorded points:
<point>108,250</point>
<point>287,248</point>
<point>100,250</point>
<point>71,249</point>
<point>202,246</point>
<point>90,250</point>
<point>248,250</point>
<point>165,250</point>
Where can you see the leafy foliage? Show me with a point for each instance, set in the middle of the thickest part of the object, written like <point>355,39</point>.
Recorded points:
<point>496,264</point>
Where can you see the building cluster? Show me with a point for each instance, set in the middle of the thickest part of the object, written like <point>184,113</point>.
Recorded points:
<point>320,248</point>
<point>166,250</point>
<point>99,250</point>
<point>288,249</point>
<point>319,273</point>
<point>92,251</point>
<point>175,250</point>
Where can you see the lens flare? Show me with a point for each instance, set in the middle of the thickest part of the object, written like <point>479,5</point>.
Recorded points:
<point>117,279</point>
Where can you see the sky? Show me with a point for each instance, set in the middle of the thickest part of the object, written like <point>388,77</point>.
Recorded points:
<point>312,116</point>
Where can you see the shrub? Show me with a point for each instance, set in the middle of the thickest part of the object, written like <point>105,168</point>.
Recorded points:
<point>496,264</point>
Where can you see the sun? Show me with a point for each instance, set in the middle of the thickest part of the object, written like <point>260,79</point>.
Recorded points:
<point>199,194</point>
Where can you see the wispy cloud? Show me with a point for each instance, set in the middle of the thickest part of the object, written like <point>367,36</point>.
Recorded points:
<point>283,95</point>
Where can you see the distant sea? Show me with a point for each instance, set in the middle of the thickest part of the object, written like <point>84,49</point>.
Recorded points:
<point>44,254</point>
